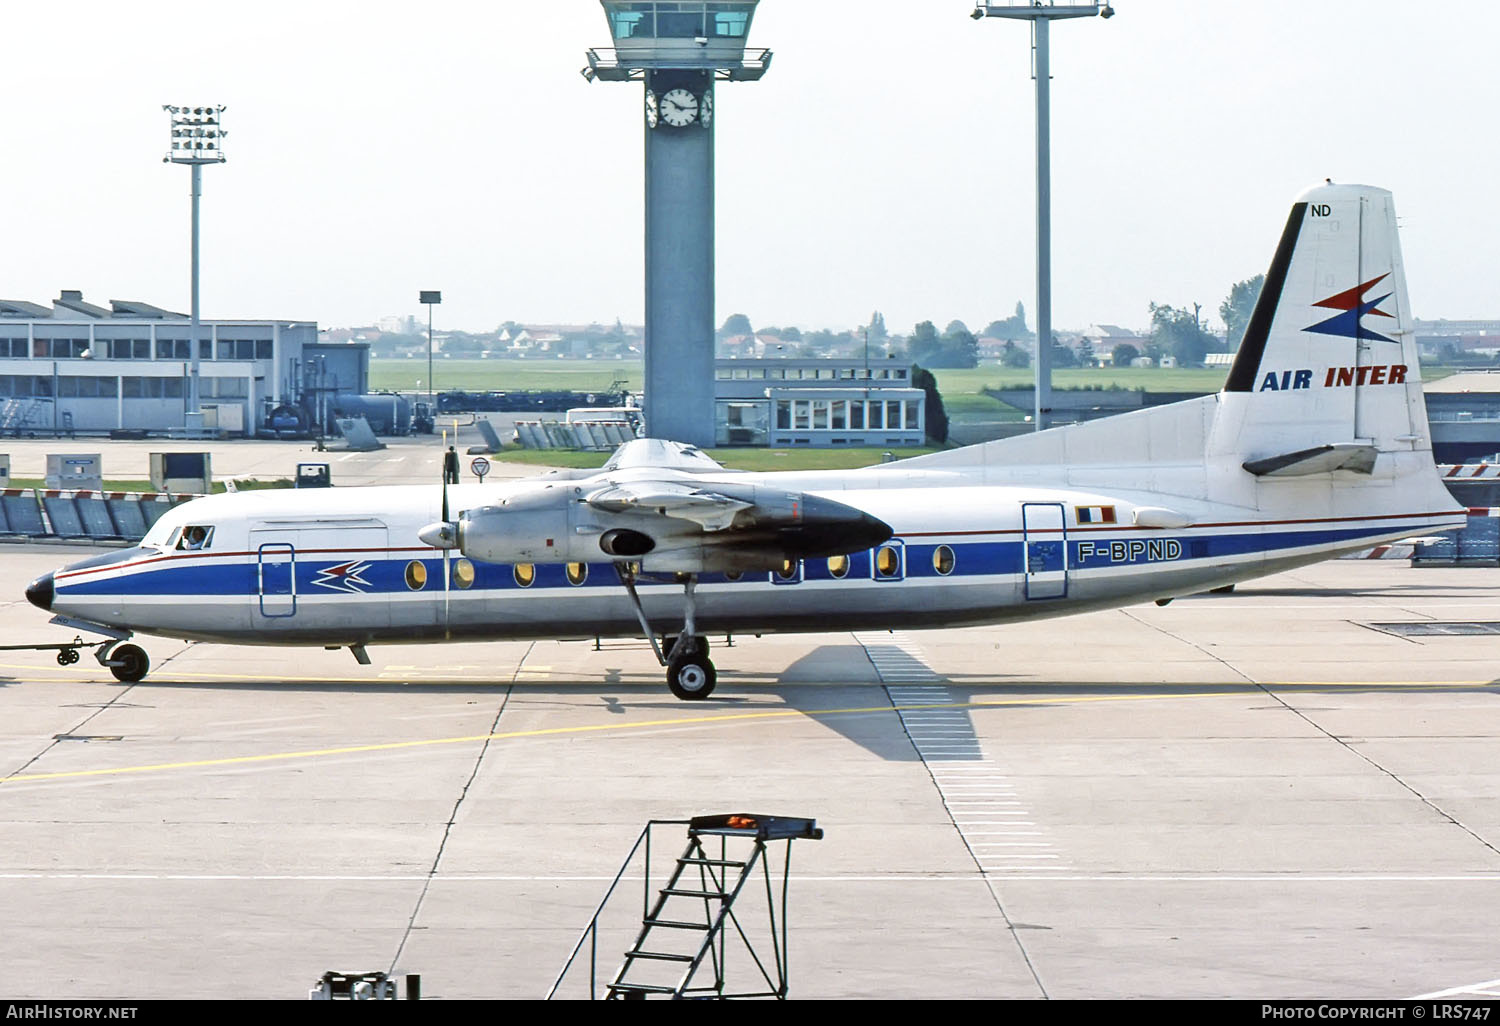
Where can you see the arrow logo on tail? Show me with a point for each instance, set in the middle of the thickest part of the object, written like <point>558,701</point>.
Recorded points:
<point>1347,324</point>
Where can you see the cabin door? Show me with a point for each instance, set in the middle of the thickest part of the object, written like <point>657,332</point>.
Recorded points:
<point>276,574</point>
<point>326,574</point>
<point>1045,541</point>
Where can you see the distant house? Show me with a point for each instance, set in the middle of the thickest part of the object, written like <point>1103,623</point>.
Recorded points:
<point>756,347</point>
<point>1103,338</point>
<point>991,348</point>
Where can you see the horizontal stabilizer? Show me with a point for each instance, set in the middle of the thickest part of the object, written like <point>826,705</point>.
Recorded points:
<point>1321,459</point>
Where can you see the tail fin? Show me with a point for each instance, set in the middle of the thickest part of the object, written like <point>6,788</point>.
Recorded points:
<point>1327,374</point>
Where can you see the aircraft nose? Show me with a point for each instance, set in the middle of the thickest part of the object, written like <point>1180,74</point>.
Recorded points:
<point>39,592</point>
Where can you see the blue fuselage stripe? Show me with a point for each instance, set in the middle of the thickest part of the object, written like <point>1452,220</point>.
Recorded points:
<point>1092,551</point>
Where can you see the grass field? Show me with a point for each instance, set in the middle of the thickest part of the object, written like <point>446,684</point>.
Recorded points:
<point>962,390</point>
<point>505,375</point>
<point>734,459</point>
<point>598,375</point>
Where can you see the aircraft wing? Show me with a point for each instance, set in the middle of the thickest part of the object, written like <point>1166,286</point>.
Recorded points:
<point>703,506</point>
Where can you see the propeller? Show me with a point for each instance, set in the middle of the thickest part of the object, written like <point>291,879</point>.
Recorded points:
<point>443,535</point>
<point>447,551</point>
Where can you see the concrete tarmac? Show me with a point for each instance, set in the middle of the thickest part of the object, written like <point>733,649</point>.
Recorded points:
<point>1256,795</point>
<point>412,460</point>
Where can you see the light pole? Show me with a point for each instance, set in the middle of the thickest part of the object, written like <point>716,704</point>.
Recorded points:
<point>197,139</point>
<point>431,298</point>
<point>1041,17</point>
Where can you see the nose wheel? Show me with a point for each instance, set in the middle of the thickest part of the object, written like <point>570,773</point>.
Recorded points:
<point>129,663</point>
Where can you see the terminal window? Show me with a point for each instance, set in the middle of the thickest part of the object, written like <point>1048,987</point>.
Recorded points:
<point>86,387</point>
<point>632,21</point>
<point>17,385</point>
<point>682,19</point>
<point>731,21</point>
<point>151,388</point>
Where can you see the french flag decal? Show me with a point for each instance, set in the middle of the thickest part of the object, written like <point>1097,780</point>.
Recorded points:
<point>1095,514</point>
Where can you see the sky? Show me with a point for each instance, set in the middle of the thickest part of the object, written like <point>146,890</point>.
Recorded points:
<point>885,162</point>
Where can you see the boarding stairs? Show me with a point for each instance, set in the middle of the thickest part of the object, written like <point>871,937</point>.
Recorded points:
<point>18,415</point>
<point>705,912</point>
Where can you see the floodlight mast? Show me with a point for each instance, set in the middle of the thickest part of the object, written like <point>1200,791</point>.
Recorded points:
<point>1041,16</point>
<point>197,139</point>
<point>430,297</point>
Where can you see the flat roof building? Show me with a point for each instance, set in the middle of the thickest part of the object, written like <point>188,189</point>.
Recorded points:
<point>817,403</point>
<point>78,366</point>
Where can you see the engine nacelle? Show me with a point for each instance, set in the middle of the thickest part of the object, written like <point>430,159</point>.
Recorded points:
<point>531,527</point>
<point>553,525</point>
<point>558,523</point>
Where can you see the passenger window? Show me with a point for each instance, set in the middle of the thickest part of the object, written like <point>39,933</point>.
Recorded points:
<point>416,575</point>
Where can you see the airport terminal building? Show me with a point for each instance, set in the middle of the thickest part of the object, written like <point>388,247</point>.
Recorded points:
<point>817,403</point>
<point>78,366</point>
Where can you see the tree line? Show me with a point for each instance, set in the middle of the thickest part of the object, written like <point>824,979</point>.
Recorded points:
<point>1178,332</point>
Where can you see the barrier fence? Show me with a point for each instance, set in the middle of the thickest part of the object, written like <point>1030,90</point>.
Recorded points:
<point>602,435</point>
<point>1478,544</point>
<point>82,515</point>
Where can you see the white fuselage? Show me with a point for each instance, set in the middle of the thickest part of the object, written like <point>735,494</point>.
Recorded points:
<point>345,566</point>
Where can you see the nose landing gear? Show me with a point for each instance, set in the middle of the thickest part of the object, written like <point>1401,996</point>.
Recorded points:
<point>129,663</point>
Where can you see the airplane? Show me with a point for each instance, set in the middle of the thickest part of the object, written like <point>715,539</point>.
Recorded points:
<point>1316,445</point>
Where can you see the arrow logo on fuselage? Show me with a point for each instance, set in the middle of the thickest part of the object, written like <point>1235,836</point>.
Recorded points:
<point>345,577</point>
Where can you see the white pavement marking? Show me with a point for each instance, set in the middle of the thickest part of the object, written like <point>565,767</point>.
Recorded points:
<point>945,741</point>
<point>1489,988</point>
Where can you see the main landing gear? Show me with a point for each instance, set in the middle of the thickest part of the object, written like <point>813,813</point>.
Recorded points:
<point>690,673</point>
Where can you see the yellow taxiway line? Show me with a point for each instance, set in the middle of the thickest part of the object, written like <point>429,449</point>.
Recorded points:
<point>1221,691</point>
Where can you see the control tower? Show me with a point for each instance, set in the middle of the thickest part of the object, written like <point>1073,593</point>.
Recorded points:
<point>679,49</point>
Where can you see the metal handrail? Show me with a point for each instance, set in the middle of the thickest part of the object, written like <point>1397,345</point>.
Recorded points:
<point>591,931</point>
<point>606,63</point>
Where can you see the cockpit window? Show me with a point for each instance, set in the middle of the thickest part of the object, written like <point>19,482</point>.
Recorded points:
<point>192,537</point>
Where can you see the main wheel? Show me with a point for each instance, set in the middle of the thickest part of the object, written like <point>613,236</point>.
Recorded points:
<point>691,678</point>
<point>132,661</point>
